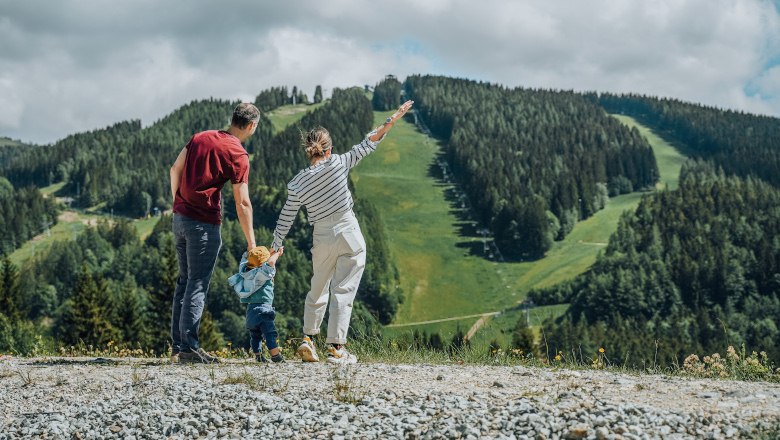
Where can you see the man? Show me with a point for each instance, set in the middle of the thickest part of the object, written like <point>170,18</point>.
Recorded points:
<point>210,159</point>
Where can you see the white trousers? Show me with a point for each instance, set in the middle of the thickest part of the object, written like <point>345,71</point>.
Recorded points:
<point>338,254</point>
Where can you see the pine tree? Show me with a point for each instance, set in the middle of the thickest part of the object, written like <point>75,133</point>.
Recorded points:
<point>86,318</point>
<point>161,291</point>
<point>523,337</point>
<point>318,94</point>
<point>132,312</point>
<point>9,290</point>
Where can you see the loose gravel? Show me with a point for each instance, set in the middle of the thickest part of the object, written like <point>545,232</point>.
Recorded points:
<point>143,398</point>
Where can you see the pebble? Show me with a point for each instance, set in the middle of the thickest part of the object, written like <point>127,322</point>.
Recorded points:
<point>378,402</point>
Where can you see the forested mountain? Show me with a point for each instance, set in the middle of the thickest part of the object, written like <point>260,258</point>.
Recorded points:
<point>742,144</point>
<point>695,269</point>
<point>24,213</point>
<point>532,161</point>
<point>124,165</point>
<point>10,148</point>
<point>275,97</point>
<point>387,94</point>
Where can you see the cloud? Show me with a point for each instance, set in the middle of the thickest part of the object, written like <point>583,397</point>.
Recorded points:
<point>71,66</point>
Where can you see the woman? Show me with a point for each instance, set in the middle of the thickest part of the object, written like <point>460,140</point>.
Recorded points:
<point>339,250</point>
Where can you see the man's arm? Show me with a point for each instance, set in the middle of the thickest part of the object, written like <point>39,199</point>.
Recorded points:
<point>176,170</point>
<point>244,212</point>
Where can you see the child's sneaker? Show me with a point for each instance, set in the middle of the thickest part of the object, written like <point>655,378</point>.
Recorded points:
<point>260,358</point>
<point>306,351</point>
<point>340,355</point>
<point>277,359</point>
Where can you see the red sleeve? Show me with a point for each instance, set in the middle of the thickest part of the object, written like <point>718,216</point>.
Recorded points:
<point>189,144</point>
<point>241,169</point>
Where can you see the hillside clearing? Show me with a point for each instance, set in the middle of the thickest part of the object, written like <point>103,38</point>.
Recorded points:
<point>443,269</point>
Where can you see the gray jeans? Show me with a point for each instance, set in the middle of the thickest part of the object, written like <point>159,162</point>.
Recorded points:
<point>197,246</point>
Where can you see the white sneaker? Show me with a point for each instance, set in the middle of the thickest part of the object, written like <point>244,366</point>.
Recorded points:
<point>340,356</point>
<point>306,351</point>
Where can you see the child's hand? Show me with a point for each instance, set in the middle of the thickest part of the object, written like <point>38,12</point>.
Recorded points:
<point>275,254</point>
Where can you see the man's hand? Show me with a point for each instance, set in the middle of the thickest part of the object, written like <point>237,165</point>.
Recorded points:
<point>275,254</point>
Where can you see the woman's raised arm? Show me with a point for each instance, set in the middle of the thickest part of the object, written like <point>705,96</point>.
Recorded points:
<point>380,132</point>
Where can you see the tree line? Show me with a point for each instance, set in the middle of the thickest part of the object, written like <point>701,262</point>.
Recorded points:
<point>10,148</point>
<point>533,162</point>
<point>387,94</point>
<point>274,97</point>
<point>124,165</point>
<point>741,143</point>
<point>690,271</point>
<point>24,213</point>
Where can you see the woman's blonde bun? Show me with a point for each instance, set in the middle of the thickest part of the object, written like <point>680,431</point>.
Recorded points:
<point>316,143</point>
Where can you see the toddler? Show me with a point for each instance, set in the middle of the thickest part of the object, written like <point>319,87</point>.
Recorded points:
<point>254,285</point>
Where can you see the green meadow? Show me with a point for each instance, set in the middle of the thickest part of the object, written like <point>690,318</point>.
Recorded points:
<point>69,224</point>
<point>68,227</point>
<point>285,115</point>
<point>668,157</point>
<point>444,272</point>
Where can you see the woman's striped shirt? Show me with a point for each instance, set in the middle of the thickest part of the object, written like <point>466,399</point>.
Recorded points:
<point>321,188</point>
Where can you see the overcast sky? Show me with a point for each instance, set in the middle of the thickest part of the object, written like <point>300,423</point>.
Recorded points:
<point>74,65</point>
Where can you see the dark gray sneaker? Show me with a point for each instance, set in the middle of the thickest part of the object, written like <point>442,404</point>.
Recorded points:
<point>198,356</point>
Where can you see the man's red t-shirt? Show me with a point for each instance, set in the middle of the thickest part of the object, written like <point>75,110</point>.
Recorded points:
<point>213,158</point>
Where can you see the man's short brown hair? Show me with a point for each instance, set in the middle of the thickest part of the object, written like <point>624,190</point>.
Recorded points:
<point>243,114</point>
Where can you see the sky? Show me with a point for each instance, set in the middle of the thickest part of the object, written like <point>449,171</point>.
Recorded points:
<point>68,66</point>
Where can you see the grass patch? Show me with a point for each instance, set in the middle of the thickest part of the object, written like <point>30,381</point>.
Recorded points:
<point>69,225</point>
<point>267,380</point>
<point>446,329</point>
<point>52,189</point>
<point>285,115</point>
<point>8,142</point>
<point>669,158</point>
<point>734,365</point>
<point>145,226</point>
<point>499,328</point>
<point>347,388</point>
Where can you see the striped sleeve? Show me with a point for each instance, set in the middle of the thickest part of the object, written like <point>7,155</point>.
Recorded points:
<point>286,217</point>
<point>358,152</point>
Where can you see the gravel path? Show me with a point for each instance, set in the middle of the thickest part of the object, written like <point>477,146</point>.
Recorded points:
<point>142,398</point>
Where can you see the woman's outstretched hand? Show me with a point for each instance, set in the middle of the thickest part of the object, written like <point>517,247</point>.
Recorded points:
<point>380,132</point>
<point>400,112</point>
